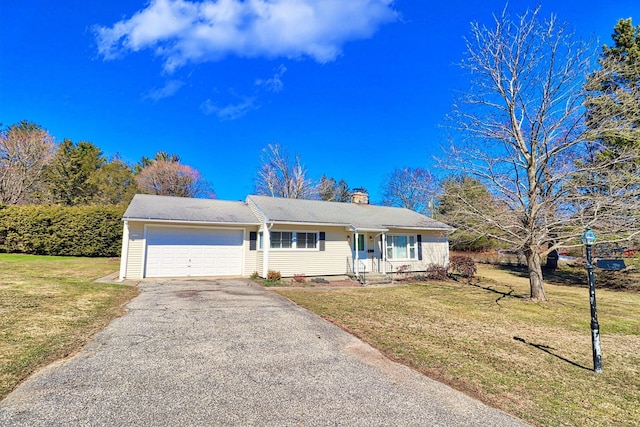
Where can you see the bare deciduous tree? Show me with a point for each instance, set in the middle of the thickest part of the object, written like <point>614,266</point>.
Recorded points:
<point>522,134</point>
<point>280,177</point>
<point>171,178</point>
<point>25,150</point>
<point>411,188</point>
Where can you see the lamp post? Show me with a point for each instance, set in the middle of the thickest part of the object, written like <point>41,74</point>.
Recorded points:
<point>588,239</point>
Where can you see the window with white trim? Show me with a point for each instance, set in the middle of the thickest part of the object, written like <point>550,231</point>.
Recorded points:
<point>294,240</point>
<point>401,246</point>
<point>281,239</point>
<point>260,240</point>
<point>306,240</point>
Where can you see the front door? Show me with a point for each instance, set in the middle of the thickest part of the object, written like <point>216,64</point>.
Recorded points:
<point>360,247</point>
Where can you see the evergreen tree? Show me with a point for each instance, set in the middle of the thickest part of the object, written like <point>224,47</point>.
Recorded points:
<point>613,100</point>
<point>70,177</point>
<point>332,191</point>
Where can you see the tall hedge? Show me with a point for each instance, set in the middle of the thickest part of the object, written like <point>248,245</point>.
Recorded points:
<point>94,231</point>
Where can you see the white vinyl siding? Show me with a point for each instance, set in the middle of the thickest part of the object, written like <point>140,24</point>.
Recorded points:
<point>135,253</point>
<point>250,257</point>
<point>310,262</point>
<point>434,248</point>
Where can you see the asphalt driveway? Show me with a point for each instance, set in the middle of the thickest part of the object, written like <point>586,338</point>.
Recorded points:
<point>231,353</point>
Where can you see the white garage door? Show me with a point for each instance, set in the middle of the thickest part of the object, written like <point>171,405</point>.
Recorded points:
<point>185,252</point>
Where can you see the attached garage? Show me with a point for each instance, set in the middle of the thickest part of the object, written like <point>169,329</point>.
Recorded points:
<point>193,252</point>
<point>183,237</point>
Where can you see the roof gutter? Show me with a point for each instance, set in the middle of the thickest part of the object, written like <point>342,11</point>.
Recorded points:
<point>186,221</point>
<point>369,229</point>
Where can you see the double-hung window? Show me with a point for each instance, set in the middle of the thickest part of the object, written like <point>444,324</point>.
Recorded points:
<point>306,240</point>
<point>293,240</point>
<point>281,239</point>
<point>401,246</point>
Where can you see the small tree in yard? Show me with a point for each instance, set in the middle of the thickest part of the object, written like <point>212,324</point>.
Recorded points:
<point>521,133</point>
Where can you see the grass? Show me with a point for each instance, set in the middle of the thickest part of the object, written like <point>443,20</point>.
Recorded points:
<point>49,308</point>
<point>532,360</point>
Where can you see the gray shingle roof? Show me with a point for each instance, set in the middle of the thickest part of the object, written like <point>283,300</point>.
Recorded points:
<point>278,210</point>
<point>360,216</point>
<point>150,207</point>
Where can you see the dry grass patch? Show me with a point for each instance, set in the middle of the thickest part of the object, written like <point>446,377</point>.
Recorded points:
<point>49,308</point>
<point>532,360</point>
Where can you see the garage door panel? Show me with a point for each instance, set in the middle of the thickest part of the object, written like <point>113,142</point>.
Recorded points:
<point>184,252</point>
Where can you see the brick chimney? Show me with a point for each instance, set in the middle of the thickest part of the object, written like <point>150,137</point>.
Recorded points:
<point>360,197</point>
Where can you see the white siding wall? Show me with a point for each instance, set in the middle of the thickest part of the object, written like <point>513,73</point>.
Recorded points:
<point>136,250</point>
<point>331,261</point>
<point>259,258</point>
<point>435,250</point>
<point>250,257</point>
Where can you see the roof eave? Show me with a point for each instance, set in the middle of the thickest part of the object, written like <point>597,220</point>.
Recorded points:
<point>411,227</point>
<point>322,224</point>
<point>187,221</point>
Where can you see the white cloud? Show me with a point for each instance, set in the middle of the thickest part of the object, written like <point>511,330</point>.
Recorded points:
<point>183,31</point>
<point>274,84</point>
<point>229,111</point>
<point>169,89</point>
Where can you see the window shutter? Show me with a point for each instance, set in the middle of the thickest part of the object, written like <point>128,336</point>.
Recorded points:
<point>253,238</point>
<point>419,240</point>
<point>322,238</point>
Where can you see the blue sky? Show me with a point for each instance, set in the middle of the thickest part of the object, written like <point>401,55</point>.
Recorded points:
<point>355,88</point>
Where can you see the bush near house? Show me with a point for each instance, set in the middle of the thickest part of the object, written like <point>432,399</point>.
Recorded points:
<point>463,265</point>
<point>273,276</point>
<point>435,272</point>
<point>94,231</point>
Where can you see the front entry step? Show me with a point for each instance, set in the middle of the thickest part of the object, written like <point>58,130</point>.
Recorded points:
<point>373,279</point>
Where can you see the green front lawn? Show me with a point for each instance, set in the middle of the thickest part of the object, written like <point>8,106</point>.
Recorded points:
<point>49,308</point>
<point>532,360</point>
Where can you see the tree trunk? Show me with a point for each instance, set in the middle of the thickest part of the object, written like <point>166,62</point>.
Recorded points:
<point>534,266</point>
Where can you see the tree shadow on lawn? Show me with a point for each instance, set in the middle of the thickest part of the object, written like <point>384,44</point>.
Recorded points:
<point>502,294</point>
<point>577,277</point>
<point>548,349</point>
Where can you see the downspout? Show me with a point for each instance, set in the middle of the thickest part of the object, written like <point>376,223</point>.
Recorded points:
<point>266,239</point>
<point>356,262</point>
<point>124,255</point>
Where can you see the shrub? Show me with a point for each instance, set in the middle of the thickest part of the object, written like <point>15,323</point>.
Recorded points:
<point>254,275</point>
<point>403,271</point>
<point>463,265</point>
<point>273,276</point>
<point>299,278</point>
<point>436,272</point>
<point>94,231</point>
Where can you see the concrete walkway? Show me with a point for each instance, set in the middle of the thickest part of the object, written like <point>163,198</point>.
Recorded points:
<point>230,353</point>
